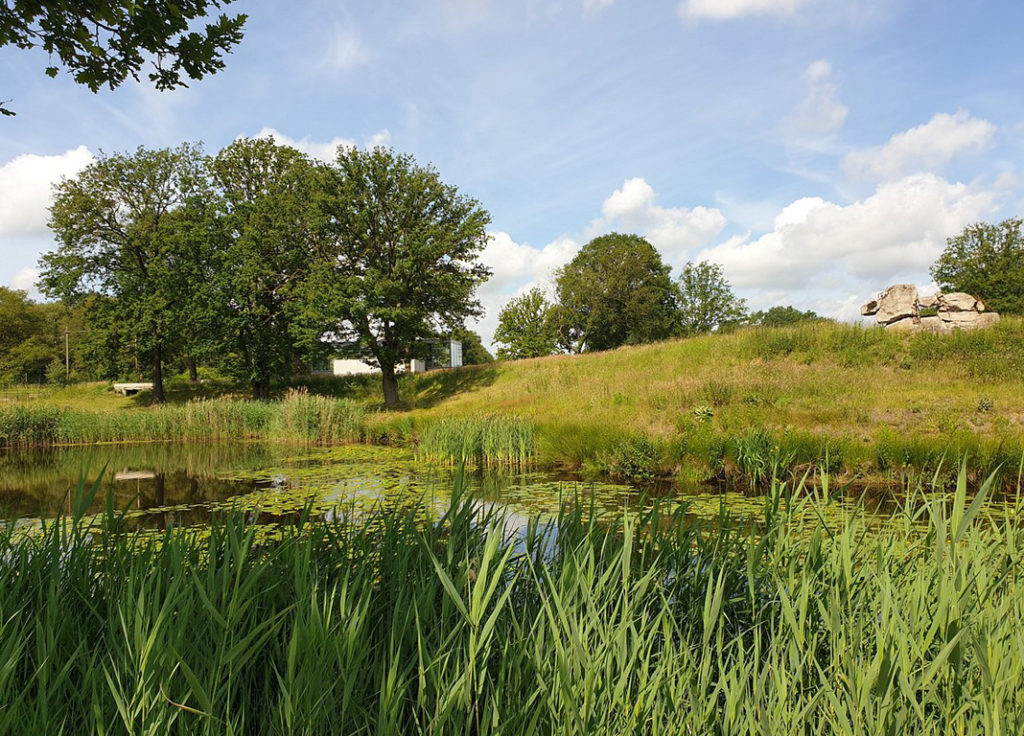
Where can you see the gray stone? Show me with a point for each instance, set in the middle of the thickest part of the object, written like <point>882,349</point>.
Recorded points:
<point>929,301</point>
<point>896,303</point>
<point>907,324</point>
<point>958,301</point>
<point>870,308</point>
<point>987,319</point>
<point>934,324</point>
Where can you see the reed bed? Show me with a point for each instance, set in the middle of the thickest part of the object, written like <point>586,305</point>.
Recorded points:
<point>298,416</point>
<point>495,441</point>
<point>655,624</point>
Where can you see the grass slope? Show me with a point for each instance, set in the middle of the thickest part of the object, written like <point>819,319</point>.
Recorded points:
<point>872,399</point>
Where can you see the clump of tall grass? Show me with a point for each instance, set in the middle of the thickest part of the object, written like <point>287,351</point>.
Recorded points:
<point>651,623</point>
<point>298,416</point>
<point>314,418</point>
<point>501,440</point>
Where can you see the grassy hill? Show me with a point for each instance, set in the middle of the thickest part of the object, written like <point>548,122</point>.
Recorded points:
<point>861,399</point>
<point>862,402</point>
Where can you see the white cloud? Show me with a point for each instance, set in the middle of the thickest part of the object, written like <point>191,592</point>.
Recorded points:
<point>517,268</point>
<point>730,9</point>
<point>923,148</point>
<point>379,139</point>
<point>325,151</point>
<point>896,232</point>
<point>819,113</point>
<point>674,231</point>
<point>26,184</point>
<point>25,280</point>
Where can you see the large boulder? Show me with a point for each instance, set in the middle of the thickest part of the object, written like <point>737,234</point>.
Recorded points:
<point>906,324</point>
<point>896,303</point>
<point>969,320</point>
<point>934,324</point>
<point>929,301</point>
<point>958,301</point>
<point>870,308</point>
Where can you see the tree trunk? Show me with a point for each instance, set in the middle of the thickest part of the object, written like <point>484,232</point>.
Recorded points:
<point>261,388</point>
<point>193,372</point>
<point>159,396</point>
<point>390,384</point>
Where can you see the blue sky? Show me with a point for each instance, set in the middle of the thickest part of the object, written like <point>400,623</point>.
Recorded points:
<point>818,149</point>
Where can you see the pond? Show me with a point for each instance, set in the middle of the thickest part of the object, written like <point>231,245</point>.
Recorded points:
<point>174,484</point>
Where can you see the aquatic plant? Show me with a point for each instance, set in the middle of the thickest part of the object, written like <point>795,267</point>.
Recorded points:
<point>298,416</point>
<point>490,440</point>
<point>648,623</point>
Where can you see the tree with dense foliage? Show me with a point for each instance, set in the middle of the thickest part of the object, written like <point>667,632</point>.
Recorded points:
<point>986,261</point>
<point>781,316</point>
<point>29,337</point>
<point>122,227</point>
<point>104,42</point>
<point>706,300</point>
<point>267,235</point>
<point>525,327</point>
<point>403,263</point>
<point>616,291</point>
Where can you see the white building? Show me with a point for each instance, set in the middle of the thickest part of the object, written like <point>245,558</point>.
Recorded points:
<point>443,354</point>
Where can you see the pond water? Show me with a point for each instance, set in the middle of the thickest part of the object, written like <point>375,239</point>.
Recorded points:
<point>172,483</point>
<point>168,484</point>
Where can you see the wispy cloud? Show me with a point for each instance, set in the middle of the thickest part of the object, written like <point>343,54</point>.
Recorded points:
<point>732,9</point>
<point>926,147</point>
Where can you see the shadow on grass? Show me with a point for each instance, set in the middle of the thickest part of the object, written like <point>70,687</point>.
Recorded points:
<point>426,390</point>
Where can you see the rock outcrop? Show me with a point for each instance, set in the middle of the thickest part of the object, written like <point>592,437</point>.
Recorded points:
<point>900,307</point>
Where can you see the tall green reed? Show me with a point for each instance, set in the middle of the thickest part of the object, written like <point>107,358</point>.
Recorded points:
<point>298,416</point>
<point>500,441</point>
<point>647,623</point>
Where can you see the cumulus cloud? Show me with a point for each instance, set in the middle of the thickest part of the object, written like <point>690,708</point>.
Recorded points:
<point>675,231</point>
<point>897,231</point>
<point>517,268</point>
<point>819,113</point>
<point>323,150</point>
<point>25,280</point>
<point>26,184</point>
<point>926,147</point>
<point>730,9</point>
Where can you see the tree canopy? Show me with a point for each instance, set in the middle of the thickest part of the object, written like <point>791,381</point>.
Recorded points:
<point>526,328</point>
<point>402,263</point>
<point>104,42</point>
<point>706,299</point>
<point>616,291</point>
<point>121,229</point>
<point>986,261</point>
<point>781,316</point>
<point>265,246</point>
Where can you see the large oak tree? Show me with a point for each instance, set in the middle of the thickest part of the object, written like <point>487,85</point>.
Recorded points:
<point>268,231</point>
<point>403,262</point>
<point>123,225</point>
<point>987,261</point>
<point>616,291</point>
